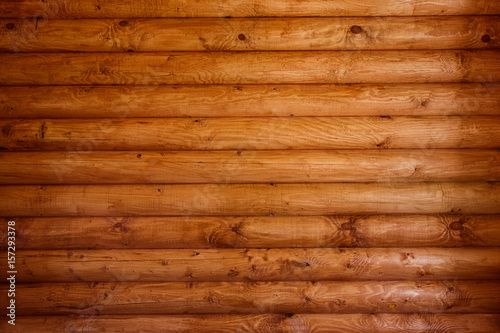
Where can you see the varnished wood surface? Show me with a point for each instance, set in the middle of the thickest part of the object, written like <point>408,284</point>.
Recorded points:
<point>279,323</point>
<point>278,67</point>
<point>257,166</point>
<point>437,99</point>
<point>53,233</point>
<point>251,199</point>
<point>242,8</point>
<point>256,297</point>
<point>201,265</point>
<point>281,166</point>
<point>249,133</point>
<point>287,34</point>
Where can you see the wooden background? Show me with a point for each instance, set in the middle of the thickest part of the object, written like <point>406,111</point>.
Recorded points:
<point>239,166</point>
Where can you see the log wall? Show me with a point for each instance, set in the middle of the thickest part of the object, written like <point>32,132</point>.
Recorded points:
<point>251,166</point>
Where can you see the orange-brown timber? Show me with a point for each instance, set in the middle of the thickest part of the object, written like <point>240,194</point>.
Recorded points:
<point>281,166</point>
<point>278,67</point>
<point>291,323</point>
<point>215,265</point>
<point>250,199</point>
<point>304,133</point>
<point>287,34</point>
<point>52,233</point>
<point>256,297</point>
<point>241,8</point>
<point>435,99</point>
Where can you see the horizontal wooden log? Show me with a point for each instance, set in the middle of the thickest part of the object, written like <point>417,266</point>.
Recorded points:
<point>52,233</point>
<point>84,135</point>
<point>255,297</point>
<point>250,199</point>
<point>280,67</point>
<point>281,166</point>
<point>201,265</point>
<point>288,34</point>
<point>292,323</point>
<point>438,99</point>
<point>241,8</point>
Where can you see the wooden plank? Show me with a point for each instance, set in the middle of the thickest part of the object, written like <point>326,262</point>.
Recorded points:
<point>241,8</point>
<point>84,135</point>
<point>293,323</point>
<point>438,99</point>
<point>287,34</point>
<point>214,265</point>
<point>281,166</point>
<point>250,199</point>
<point>279,67</point>
<point>256,297</point>
<point>191,232</point>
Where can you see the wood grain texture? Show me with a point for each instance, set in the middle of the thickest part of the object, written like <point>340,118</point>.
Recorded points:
<point>224,167</point>
<point>287,34</point>
<point>305,133</point>
<point>250,199</point>
<point>438,99</point>
<point>279,323</point>
<point>256,297</point>
<point>279,67</point>
<point>52,233</point>
<point>241,8</point>
<point>214,265</point>
<point>269,166</point>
